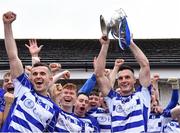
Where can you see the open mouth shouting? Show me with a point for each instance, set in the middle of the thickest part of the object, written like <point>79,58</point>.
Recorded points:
<point>39,83</point>
<point>82,109</point>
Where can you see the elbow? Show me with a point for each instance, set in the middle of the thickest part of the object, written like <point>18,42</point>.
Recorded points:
<point>13,58</point>
<point>99,73</point>
<point>145,63</point>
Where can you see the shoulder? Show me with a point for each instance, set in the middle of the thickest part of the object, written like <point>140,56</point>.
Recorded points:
<point>2,92</point>
<point>112,94</point>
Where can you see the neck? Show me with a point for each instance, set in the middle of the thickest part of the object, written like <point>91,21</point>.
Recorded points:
<point>79,114</point>
<point>44,93</point>
<point>127,93</point>
<point>67,109</point>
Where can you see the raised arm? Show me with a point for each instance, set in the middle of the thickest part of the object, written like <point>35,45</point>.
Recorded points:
<point>55,68</point>
<point>113,73</point>
<point>10,44</point>
<point>155,87</point>
<point>65,75</point>
<point>100,62</point>
<point>9,98</point>
<point>144,73</point>
<point>34,50</point>
<point>88,86</point>
<point>175,113</point>
<point>175,93</point>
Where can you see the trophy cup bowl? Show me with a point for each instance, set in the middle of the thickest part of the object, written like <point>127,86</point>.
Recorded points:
<point>118,27</point>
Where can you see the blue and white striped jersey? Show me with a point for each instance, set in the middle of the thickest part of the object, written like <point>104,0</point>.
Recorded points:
<point>155,122</point>
<point>91,124</point>
<point>30,112</point>
<point>68,122</point>
<point>103,117</point>
<point>2,100</point>
<point>171,127</point>
<point>130,113</point>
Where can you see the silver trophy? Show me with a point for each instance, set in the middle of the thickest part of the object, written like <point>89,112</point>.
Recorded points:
<point>113,24</point>
<point>117,26</point>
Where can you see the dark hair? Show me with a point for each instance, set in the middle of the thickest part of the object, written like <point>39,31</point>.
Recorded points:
<point>96,93</point>
<point>41,64</point>
<point>124,67</point>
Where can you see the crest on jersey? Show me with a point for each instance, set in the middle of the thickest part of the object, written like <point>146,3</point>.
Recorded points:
<point>119,108</point>
<point>61,122</point>
<point>101,118</point>
<point>28,103</point>
<point>86,124</point>
<point>47,107</point>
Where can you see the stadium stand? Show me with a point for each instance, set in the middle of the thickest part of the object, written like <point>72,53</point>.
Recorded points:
<point>79,53</point>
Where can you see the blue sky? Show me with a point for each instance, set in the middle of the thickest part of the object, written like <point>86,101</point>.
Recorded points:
<point>79,19</point>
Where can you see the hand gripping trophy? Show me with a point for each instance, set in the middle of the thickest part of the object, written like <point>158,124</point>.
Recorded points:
<point>118,27</point>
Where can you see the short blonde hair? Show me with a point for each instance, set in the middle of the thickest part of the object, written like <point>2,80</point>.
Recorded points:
<point>70,86</point>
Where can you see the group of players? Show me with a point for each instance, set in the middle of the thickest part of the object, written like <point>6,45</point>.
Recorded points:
<point>32,101</point>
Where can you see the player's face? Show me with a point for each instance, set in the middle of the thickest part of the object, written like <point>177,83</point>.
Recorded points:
<point>41,77</point>
<point>93,101</point>
<point>81,105</point>
<point>68,97</point>
<point>126,81</point>
<point>7,83</point>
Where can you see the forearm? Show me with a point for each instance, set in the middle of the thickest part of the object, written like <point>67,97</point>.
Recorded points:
<point>35,59</point>
<point>9,99</point>
<point>58,76</point>
<point>113,75</point>
<point>6,111</point>
<point>144,73</point>
<point>12,52</point>
<point>156,89</point>
<point>174,99</point>
<point>10,43</point>
<point>139,55</point>
<point>1,119</point>
<point>101,61</point>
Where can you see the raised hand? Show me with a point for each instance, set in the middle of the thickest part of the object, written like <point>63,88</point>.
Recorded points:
<point>55,67</point>
<point>104,40</point>
<point>9,17</point>
<point>119,62</point>
<point>33,47</point>
<point>66,74</point>
<point>107,72</point>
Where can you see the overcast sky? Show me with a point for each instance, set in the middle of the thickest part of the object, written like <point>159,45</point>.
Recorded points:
<point>79,19</point>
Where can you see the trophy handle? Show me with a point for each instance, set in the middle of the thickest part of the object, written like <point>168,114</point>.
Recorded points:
<point>105,28</point>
